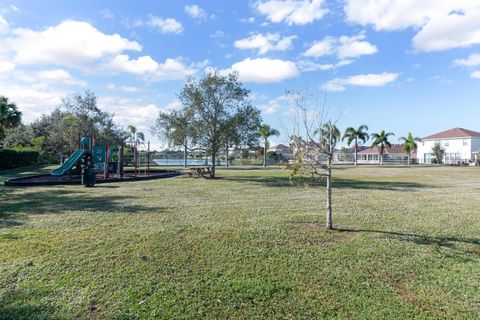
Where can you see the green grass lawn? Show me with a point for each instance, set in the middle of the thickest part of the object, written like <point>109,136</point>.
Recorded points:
<point>247,245</point>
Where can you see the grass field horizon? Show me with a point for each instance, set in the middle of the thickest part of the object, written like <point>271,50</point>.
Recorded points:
<point>250,244</point>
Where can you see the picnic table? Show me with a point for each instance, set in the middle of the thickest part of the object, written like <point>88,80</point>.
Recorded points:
<point>199,172</point>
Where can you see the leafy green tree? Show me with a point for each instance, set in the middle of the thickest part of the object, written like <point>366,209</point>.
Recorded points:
<point>217,104</point>
<point>266,132</point>
<point>438,152</point>
<point>178,129</point>
<point>88,118</point>
<point>10,117</point>
<point>20,136</point>
<point>409,144</point>
<point>77,115</point>
<point>59,132</point>
<point>354,135</point>
<point>380,140</point>
<point>242,130</point>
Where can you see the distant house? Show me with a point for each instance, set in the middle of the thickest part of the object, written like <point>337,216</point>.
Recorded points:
<point>393,154</point>
<point>461,146</point>
<point>281,149</point>
<point>347,154</point>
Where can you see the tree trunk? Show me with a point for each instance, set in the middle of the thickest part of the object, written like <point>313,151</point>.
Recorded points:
<point>212,174</point>
<point>329,224</point>
<point>227,156</point>
<point>356,152</point>
<point>265,153</point>
<point>185,155</point>
<point>409,158</point>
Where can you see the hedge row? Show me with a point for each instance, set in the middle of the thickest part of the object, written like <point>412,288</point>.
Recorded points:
<point>10,159</point>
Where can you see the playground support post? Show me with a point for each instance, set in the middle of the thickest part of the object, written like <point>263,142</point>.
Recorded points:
<point>121,158</point>
<point>135,157</point>
<point>148,158</point>
<point>106,163</point>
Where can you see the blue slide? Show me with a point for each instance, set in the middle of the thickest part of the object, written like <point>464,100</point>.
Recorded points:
<point>67,165</point>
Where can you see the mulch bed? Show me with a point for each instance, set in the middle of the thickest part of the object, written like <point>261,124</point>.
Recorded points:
<point>49,180</point>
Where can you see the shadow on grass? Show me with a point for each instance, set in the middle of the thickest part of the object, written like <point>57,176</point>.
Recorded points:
<point>18,304</point>
<point>337,183</point>
<point>440,241</point>
<point>16,204</point>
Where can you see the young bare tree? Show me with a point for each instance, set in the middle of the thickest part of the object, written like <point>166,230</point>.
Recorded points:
<point>313,144</point>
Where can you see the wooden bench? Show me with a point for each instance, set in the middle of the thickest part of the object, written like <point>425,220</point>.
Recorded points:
<point>203,172</point>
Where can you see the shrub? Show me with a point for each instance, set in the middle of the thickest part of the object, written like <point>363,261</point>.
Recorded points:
<point>14,158</point>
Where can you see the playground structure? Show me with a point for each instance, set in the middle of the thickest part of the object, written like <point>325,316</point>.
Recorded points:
<point>91,159</point>
<point>92,163</point>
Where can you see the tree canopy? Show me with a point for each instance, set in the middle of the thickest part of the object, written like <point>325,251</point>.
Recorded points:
<point>220,111</point>
<point>10,117</point>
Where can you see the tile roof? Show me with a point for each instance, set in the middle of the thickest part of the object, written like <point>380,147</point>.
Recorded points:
<point>395,149</point>
<point>280,147</point>
<point>454,133</point>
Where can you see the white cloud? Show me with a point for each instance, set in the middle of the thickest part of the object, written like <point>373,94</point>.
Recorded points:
<point>168,25</point>
<point>173,105</point>
<point>248,20</point>
<point>32,102</point>
<point>58,76</point>
<point>441,25</point>
<point>273,105</point>
<point>14,8</point>
<point>265,42</point>
<point>362,80</point>
<point>3,24</point>
<point>264,70</point>
<point>473,60</point>
<point>129,89</point>
<point>145,66</point>
<point>475,74</point>
<point>292,12</point>
<point>126,111</point>
<point>321,48</point>
<point>71,43</point>
<point>218,34</point>
<point>6,66</point>
<point>307,66</point>
<point>107,14</point>
<point>343,47</point>
<point>195,12</point>
<point>139,66</point>
<point>79,45</point>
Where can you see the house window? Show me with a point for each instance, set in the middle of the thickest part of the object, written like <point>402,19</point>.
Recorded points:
<point>423,143</point>
<point>465,142</point>
<point>447,143</point>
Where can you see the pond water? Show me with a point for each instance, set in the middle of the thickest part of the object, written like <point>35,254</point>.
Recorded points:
<point>179,162</point>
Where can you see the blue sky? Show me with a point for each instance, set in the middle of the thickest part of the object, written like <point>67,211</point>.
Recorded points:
<point>398,65</point>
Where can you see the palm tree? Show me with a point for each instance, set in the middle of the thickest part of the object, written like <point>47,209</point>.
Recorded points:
<point>327,129</point>
<point>135,138</point>
<point>354,135</point>
<point>10,117</point>
<point>409,144</point>
<point>266,132</point>
<point>381,140</point>
<point>134,135</point>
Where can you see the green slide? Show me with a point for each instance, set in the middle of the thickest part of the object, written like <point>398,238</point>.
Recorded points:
<point>67,165</point>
